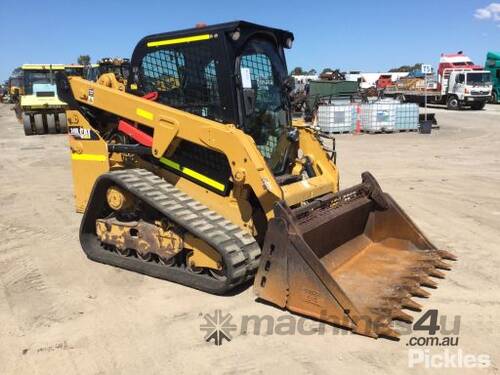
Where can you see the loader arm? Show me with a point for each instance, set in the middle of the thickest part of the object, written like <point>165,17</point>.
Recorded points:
<point>248,167</point>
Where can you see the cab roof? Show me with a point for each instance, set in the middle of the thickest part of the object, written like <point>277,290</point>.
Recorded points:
<point>282,35</point>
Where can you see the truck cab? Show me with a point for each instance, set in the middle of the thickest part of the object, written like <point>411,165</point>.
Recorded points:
<point>463,83</point>
<point>385,80</point>
<point>493,66</point>
<point>467,88</point>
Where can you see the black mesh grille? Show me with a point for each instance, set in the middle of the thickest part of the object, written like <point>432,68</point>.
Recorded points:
<point>185,77</point>
<point>203,160</point>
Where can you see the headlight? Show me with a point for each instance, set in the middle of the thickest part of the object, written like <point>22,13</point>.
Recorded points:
<point>235,35</point>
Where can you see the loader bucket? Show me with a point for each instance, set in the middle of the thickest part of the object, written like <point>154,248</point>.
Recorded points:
<point>353,259</point>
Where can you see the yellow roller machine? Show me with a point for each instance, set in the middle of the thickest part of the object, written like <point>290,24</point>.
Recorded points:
<point>39,108</point>
<point>195,174</point>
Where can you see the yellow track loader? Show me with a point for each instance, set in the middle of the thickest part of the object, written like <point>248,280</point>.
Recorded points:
<point>195,173</point>
<point>109,72</point>
<point>120,67</point>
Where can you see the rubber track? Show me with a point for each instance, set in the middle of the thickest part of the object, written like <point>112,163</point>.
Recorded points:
<point>239,250</point>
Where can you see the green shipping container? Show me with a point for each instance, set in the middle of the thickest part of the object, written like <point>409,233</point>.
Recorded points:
<point>319,90</point>
<point>493,65</point>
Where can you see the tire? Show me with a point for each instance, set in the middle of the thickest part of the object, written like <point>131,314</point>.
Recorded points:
<point>63,126</point>
<point>494,98</point>
<point>28,130</point>
<point>18,111</point>
<point>478,106</point>
<point>39,124</point>
<point>453,103</point>
<point>51,123</point>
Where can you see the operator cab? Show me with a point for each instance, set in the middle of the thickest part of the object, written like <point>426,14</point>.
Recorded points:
<point>232,73</point>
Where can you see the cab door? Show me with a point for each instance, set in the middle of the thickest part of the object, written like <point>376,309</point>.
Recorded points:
<point>459,87</point>
<point>265,117</point>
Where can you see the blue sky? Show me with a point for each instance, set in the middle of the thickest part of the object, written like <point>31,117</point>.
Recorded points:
<point>350,35</point>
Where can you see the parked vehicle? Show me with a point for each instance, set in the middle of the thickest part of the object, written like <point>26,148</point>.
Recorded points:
<point>15,86</point>
<point>493,65</point>
<point>460,83</point>
<point>384,81</point>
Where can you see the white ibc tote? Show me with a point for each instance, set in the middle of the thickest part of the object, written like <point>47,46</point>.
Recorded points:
<point>336,118</point>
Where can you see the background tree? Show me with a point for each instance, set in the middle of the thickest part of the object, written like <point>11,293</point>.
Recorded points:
<point>312,72</point>
<point>332,74</point>
<point>83,60</point>
<point>407,68</point>
<point>298,71</point>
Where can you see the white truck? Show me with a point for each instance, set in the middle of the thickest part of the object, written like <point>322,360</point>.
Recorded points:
<point>460,83</point>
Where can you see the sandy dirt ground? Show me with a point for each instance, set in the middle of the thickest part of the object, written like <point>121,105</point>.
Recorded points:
<point>63,314</point>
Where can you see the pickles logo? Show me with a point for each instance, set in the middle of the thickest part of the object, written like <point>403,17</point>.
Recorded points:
<point>217,327</point>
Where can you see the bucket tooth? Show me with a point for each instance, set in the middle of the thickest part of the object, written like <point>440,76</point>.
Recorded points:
<point>421,270</point>
<point>446,255</point>
<point>401,293</point>
<point>408,303</point>
<point>393,302</point>
<point>435,273</point>
<point>410,282</point>
<point>419,292</point>
<point>381,315</point>
<point>426,254</point>
<point>402,316</point>
<point>388,332</point>
<point>425,281</point>
<point>430,261</point>
<point>414,276</point>
<point>442,265</point>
